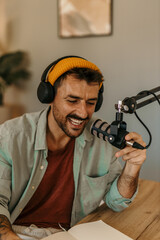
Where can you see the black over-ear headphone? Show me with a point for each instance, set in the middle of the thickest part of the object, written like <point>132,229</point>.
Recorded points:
<point>46,92</point>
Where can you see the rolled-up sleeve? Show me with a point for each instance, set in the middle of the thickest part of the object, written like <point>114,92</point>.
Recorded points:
<point>115,201</point>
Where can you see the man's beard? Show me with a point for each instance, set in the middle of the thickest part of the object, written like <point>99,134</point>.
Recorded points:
<point>62,123</point>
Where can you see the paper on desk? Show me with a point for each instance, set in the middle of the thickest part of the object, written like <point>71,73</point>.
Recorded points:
<point>90,231</point>
<point>97,230</point>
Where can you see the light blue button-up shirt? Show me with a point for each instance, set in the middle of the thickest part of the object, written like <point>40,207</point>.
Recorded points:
<point>23,162</point>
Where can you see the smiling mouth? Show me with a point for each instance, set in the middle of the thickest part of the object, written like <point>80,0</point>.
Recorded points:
<point>76,122</point>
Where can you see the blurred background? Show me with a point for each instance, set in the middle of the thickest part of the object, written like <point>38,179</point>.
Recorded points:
<point>129,59</point>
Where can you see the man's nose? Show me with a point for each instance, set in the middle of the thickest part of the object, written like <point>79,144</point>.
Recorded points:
<point>82,110</point>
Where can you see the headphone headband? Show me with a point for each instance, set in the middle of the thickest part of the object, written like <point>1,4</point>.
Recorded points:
<point>67,64</point>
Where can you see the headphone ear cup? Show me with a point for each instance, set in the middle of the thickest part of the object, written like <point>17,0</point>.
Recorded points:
<point>45,92</point>
<point>100,99</point>
<point>99,102</point>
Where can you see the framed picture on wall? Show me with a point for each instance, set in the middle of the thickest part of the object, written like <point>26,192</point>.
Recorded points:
<point>84,18</point>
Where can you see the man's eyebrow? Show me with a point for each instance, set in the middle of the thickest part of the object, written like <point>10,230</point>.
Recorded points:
<point>76,97</point>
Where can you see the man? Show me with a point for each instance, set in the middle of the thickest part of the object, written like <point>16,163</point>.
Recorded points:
<point>53,172</point>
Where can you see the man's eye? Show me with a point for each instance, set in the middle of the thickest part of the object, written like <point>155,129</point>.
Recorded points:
<point>91,103</point>
<point>72,101</point>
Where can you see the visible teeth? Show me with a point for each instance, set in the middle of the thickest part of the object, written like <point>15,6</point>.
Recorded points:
<point>76,121</point>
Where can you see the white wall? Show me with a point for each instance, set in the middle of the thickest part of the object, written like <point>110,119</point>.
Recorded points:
<point>129,59</point>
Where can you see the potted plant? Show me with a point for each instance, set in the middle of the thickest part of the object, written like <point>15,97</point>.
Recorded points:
<point>13,71</point>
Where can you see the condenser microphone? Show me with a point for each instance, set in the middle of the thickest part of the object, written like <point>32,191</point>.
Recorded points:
<point>110,133</point>
<point>114,133</point>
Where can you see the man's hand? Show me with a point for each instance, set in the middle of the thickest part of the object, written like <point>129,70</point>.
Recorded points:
<point>132,155</point>
<point>134,158</point>
<point>6,232</point>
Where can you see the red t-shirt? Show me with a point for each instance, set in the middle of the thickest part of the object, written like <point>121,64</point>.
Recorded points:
<point>52,202</point>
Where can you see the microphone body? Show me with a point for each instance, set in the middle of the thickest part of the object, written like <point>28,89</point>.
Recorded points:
<point>114,133</point>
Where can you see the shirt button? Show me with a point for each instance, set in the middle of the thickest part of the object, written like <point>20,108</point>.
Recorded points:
<point>20,209</point>
<point>42,167</point>
<point>32,187</point>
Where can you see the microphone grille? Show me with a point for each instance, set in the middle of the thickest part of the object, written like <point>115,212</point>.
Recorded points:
<point>99,129</point>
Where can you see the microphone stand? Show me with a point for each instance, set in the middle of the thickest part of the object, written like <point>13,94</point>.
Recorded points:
<point>118,129</point>
<point>115,133</point>
<point>129,105</point>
